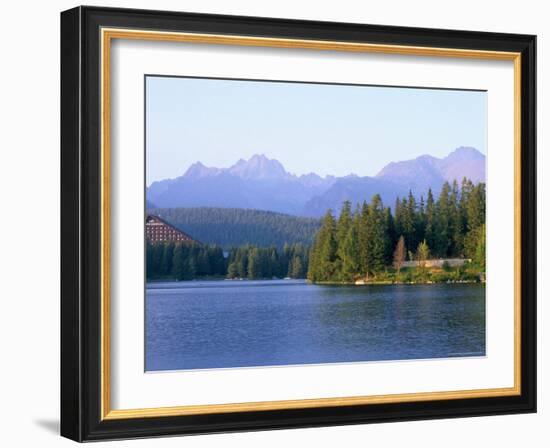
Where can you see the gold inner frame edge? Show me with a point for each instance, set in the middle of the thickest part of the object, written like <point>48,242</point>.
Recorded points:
<point>107,35</point>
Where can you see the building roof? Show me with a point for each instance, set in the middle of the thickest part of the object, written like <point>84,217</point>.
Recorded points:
<point>172,227</point>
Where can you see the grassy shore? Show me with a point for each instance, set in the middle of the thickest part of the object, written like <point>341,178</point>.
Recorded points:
<point>412,276</point>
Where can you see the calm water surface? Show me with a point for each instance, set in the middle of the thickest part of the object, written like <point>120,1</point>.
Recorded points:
<point>213,324</point>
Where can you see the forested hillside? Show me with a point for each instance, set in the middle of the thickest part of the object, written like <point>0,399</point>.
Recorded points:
<point>363,242</point>
<point>231,227</point>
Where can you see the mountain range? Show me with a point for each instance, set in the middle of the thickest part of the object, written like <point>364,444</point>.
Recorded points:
<point>264,184</point>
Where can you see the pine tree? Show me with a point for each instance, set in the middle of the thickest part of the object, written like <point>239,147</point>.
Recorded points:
<point>429,220</point>
<point>158,252</point>
<point>479,258</point>
<point>398,217</point>
<point>275,263</point>
<point>265,265</point>
<point>344,223</point>
<point>191,267</point>
<point>363,226</point>
<point>297,270</point>
<point>149,263</point>
<point>420,233</point>
<point>216,260</point>
<point>391,238</point>
<point>465,194</point>
<point>167,256</point>
<point>349,253</point>
<point>254,266</point>
<point>442,234</point>
<point>284,259</point>
<point>203,262</point>
<point>323,254</point>
<point>178,262</point>
<point>328,247</point>
<point>242,261</point>
<point>475,207</point>
<point>376,237</point>
<point>313,272</point>
<point>455,223</point>
<point>409,220</point>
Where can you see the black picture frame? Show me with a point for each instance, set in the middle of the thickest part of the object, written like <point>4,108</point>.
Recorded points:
<point>81,224</point>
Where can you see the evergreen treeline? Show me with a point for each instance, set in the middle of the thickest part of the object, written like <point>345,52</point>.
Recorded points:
<point>254,262</point>
<point>185,261</point>
<point>365,241</point>
<point>232,227</point>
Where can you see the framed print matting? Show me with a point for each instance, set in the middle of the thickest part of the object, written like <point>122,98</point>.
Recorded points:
<point>272,223</point>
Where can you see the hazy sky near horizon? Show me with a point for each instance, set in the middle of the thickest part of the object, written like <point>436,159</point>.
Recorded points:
<point>320,128</point>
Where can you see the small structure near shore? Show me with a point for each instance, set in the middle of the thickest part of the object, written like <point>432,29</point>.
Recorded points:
<point>438,263</point>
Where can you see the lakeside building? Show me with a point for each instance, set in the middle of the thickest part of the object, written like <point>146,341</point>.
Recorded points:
<point>157,230</point>
<point>437,263</point>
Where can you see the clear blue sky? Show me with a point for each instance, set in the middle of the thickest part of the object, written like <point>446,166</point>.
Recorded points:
<point>326,129</point>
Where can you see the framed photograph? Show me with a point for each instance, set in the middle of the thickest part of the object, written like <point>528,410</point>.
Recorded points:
<point>273,223</point>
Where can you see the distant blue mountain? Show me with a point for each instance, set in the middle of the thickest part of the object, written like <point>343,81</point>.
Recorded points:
<point>259,183</point>
<point>263,183</point>
<point>398,178</point>
<point>356,190</point>
<point>430,172</point>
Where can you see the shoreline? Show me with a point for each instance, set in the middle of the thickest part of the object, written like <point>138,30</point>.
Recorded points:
<point>326,283</point>
<point>391,283</point>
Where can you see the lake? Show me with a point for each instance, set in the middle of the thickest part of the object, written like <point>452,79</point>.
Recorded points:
<point>214,324</point>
